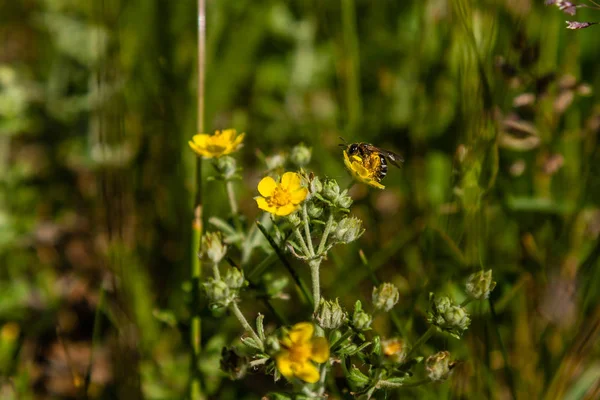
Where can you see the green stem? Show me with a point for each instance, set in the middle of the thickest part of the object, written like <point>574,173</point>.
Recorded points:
<point>231,197</point>
<point>238,313</point>
<point>302,242</point>
<point>393,385</point>
<point>421,341</point>
<point>325,235</point>
<point>316,284</point>
<point>216,273</point>
<point>307,230</point>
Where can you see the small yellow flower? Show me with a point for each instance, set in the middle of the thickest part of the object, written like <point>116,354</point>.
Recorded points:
<point>299,351</point>
<point>395,349</point>
<point>217,145</point>
<point>281,198</point>
<point>360,171</point>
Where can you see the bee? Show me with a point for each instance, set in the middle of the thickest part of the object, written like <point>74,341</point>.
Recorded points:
<point>373,158</point>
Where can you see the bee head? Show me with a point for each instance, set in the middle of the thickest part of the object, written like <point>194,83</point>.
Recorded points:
<point>353,149</point>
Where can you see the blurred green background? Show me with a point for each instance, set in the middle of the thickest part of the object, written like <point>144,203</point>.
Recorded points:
<point>491,103</point>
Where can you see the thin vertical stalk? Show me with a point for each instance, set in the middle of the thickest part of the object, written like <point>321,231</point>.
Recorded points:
<point>315,265</point>
<point>195,390</point>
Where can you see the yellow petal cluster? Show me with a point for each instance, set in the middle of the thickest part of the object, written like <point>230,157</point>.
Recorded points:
<point>300,350</point>
<point>281,198</point>
<point>358,168</point>
<point>217,145</point>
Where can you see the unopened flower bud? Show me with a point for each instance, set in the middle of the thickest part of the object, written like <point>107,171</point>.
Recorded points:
<point>314,211</point>
<point>234,278</point>
<point>294,219</point>
<point>348,230</point>
<point>300,155</point>
<point>275,161</point>
<point>343,200</point>
<point>331,190</point>
<point>439,366</point>
<point>330,314</point>
<point>394,349</point>
<point>385,296</point>
<point>360,319</point>
<point>226,166</point>
<point>479,285</point>
<point>272,345</point>
<point>217,292</point>
<point>316,185</point>
<point>213,247</point>
<point>448,316</point>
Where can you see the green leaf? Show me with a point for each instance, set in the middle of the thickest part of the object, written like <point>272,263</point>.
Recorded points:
<point>358,378</point>
<point>260,327</point>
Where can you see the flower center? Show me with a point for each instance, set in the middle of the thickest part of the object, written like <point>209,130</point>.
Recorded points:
<point>279,198</point>
<point>215,148</point>
<point>299,353</point>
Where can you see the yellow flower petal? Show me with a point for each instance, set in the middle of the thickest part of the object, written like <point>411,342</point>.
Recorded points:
<point>228,135</point>
<point>359,172</point>
<point>302,332</point>
<point>320,350</point>
<point>263,205</point>
<point>201,139</point>
<point>266,186</point>
<point>284,364</point>
<point>306,371</point>
<point>290,181</point>
<point>238,140</point>
<point>299,195</point>
<point>197,149</point>
<point>286,210</point>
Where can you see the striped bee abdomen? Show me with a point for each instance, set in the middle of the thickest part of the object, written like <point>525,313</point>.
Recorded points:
<point>382,167</point>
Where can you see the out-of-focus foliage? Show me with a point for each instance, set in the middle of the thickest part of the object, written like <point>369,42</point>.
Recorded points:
<point>491,103</point>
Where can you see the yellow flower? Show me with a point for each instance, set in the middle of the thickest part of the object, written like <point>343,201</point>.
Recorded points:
<point>217,145</point>
<point>360,172</point>
<point>300,349</point>
<point>281,198</point>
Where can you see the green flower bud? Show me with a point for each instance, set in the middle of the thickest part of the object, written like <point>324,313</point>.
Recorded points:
<point>348,230</point>
<point>314,211</point>
<point>272,345</point>
<point>331,190</point>
<point>360,319</point>
<point>234,278</point>
<point>226,166</point>
<point>294,219</point>
<point>330,314</point>
<point>316,185</point>
<point>447,316</point>
<point>300,155</point>
<point>439,366</point>
<point>344,201</point>
<point>385,296</point>
<point>394,349</point>
<point>275,161</point>
<point>480,285</point>
<point>217,292</point>
<point>213,247</point>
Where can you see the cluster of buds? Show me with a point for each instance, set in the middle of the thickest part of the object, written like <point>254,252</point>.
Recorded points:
<point>439,366</point>
<point>330,314</point>
<point>480,284</point>
<point>448,316</point>
<point>332,194</point>
<point>361,321</point>
<point>300,155</point>
<point>385,296</point>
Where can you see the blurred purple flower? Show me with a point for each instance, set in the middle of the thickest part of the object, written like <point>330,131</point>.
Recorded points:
<point>579,25</point>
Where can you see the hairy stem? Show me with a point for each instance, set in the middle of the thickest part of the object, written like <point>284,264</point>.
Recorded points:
<point>302,242</point>
<point>307,230</point>
<point>316,283</point>
<point>231,197</point>
<point>325,235</point>
<point>216,273</point>
<point>393,385</point>
<point>238,313</point>
<point>422,340</point>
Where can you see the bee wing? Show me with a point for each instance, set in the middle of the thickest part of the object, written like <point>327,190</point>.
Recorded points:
<point>393,158</point>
